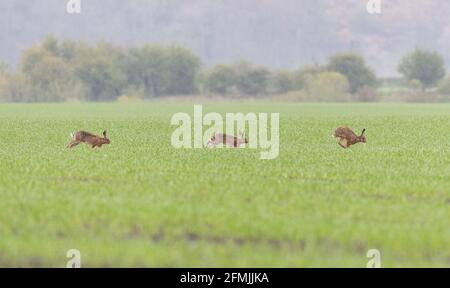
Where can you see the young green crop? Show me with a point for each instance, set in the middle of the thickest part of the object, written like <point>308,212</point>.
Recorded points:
<point>140,202</point>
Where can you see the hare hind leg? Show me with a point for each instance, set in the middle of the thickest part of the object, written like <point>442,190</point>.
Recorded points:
<point>73,144</point>
<point>343,143</point>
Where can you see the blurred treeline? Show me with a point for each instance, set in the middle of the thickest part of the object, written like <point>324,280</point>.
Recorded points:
<point>54,71</point>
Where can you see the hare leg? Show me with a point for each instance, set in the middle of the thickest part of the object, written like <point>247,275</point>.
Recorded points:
<point>72,144</point>
<point>343,143</point>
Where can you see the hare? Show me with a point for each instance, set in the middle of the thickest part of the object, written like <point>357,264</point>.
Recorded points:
<point>227,140</point>
<point>88,138</point>
<point>348,137</point>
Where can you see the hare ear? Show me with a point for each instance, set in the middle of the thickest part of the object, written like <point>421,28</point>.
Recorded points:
<point>364,130</point>
<point>104,133</point>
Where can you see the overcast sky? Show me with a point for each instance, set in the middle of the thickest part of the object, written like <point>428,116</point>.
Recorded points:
<point>275,33</point>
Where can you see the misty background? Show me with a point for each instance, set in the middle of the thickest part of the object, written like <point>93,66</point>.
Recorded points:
<point>276,34</point>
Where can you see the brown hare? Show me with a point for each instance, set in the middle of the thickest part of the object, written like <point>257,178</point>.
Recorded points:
<point>348,137</point>
<point>88,138</point>
<point>227,140</point>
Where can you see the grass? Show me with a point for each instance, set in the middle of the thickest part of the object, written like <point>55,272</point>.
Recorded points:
<point>140,202</point>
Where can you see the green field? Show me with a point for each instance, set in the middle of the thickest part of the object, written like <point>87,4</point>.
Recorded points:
<point>140,202</point>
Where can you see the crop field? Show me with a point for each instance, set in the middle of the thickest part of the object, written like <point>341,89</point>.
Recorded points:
<point>141,202</point>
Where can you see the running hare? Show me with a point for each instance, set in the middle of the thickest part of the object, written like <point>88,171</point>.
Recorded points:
<point>227,140</point>
<point>88,138</point>
<point>348,137</point>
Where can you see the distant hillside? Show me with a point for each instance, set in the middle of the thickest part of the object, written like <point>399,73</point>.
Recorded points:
<point>285,33</point>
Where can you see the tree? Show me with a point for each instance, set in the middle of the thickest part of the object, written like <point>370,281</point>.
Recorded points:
<point>49,80</point>
<point>251,80</point>
<point>220,80</point>
<point>4,79</point>
<point>444,86</point>
<point>51,45</point>
<point>160,70</point>
<point>4,68</point>
<point>100,70</point>
<point>182,68</point>
<point>425,66</point>
<point>328,86</point>
<point>69,50</point>
<point>48,75</point>
<point>145,68</point>
<point>282,82</point>
<point>301,76</point>
<point>101,78</point>
<point>53,71</point>
<point>354,68</point>
<point>15,88</point>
